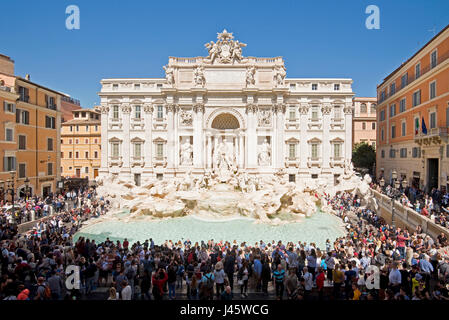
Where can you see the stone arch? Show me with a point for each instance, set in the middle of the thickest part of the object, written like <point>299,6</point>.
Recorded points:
<point>225,119</point>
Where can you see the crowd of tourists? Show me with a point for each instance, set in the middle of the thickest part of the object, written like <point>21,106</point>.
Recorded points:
<point>433,204</point>
<point>34,266</point>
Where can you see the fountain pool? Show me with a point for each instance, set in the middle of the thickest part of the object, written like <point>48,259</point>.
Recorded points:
<point>318,228</point>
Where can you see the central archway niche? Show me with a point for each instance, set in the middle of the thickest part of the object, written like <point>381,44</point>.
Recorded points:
<point>225,121</point>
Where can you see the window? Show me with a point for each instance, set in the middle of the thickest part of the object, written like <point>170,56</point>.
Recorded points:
<point>315,113</point>
<point>373,144</point>
<point>62,155</point>
<point>433,120</point>
<point>382,95</point>
<point>314,176</point>
<point>22,170</point>
<point>77,128</point>
<point>291,178</point>
<point>22,142</point>
<point>159,176</point>
<point>392,110</point>
<point>115,112</point>
<point>433,89</point>
<point>70,154</point>
<point>337,112</point>
<point>363,125</point>
<point>336,87</point>
<point>86,141</point>
<point>447,151</point>
<point>433,59</point>
<point>50,122</point>
<point>160,150</point>
<point>77,155</point>
<point>160,112</point>
<point>96,128</point>
<point>403,127</point>
<point>417,98</point>
<point>96,154</point>
<point>416,152</point>
<point>50,101</point>
<point>404,80</point>
<point>9,163</point>
<point>314,151</point>
<point>86,155</point>
<point>382,134</point>
<point>24,94</point>
<point>70,141</point>
<point>373,108</point>
<point>137,150</point>
<point>292,86</point>
<point>392,153</point>
<point>292,151</point>
<point>402,105</point>
<point>71,128</point>
<point>382,153</point>
<point>18,115</point>
<point>373,126</point>
<point>25,117</point>
<point>137,112</point>
<point>314,86</point>
<point>363,108</point>
<point>137,86</point>
<point>86,170</point>
<point>337,151</point>
<point>159,85</point>
<point>417,70</point>
<point>392,88</point>
<point>292,114</point>
<point>95,141</point>
<point>9,134</point>
<point>115,87</point>
<point>87,128</point>
<point>49,144</point>
<point>76,141</point>
<point>49,169</point>
<point>393,131</point>
<point>115,150</point>
<point>403,153</point>
<point>382,115</point>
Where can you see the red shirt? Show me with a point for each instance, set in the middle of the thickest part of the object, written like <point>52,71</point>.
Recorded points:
<point>320,281</point>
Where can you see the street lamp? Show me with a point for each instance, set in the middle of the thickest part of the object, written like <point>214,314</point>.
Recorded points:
<point>404,183</point>
<point>11,187</point>
<point>27,190</point>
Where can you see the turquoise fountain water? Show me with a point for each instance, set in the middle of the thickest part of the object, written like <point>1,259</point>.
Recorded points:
<point>318,228</point>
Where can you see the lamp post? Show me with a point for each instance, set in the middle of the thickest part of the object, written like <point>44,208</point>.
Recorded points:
<point>27,188</point>
<point>392,212</point>
<point>11,187</point>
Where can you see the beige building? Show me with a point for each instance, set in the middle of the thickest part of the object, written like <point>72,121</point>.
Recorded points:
<point>364,121</point>
<point>81,145</point>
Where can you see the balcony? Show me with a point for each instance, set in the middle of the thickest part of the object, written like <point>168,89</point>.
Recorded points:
<point>5,88</point>
<point>337,162</point>
<point>292,162</point>
<point>159,161</point>
<point>51,106</point>
<point>437,135</point>
<point>115,161</point>
<point>314,162</point>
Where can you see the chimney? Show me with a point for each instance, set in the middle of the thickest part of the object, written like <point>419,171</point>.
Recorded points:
<point>6,65</point>
<point>27,77</point>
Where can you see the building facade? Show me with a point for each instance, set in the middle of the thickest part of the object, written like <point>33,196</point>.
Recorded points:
<point>81,145</point>
<point>364,121</point>
<point>32,132</point>
<point>413,118</point>
<point>224,112</point>
<point>68,105</point>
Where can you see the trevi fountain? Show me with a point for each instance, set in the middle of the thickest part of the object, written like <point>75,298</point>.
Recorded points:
<point>223,204</point>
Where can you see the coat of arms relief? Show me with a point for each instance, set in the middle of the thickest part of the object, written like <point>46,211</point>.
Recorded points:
<point>225,50</point>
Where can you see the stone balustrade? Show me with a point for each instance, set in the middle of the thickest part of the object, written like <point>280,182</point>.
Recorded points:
<point>405,217</point>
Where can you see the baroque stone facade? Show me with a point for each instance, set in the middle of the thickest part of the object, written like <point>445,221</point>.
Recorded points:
<point>226,112</point>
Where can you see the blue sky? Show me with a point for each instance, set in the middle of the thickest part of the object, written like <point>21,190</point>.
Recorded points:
<point>134,38</point>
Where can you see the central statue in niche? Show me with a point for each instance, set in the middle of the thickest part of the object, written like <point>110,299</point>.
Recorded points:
<point>224,161</point>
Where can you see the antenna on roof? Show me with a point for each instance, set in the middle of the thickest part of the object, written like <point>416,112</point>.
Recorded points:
<point>433,30</point>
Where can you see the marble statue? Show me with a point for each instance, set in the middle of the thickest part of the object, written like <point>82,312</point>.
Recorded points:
<point>225,50</point>
<point>169,75</point>
<point>264,118</point>
<point>264,156</point>
<point>250,73</point>
<point>198,75</point>
<point>279,76</point>
<point>224,160</point>
<point>186,153</point>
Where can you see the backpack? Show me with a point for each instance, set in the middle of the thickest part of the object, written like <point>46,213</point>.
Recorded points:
<point>209,282</point>
<point>47,292</point>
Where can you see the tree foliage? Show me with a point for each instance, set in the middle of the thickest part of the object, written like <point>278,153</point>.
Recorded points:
<point>363,156</point>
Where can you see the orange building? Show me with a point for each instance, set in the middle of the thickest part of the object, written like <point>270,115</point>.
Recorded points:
<point>413,118</point>
<point>81,145</point>
<point>32,132</point>
<point>68,105</point>
<point>364,121</point>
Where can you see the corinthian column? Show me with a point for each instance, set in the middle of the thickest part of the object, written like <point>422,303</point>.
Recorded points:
<point>279,109</point>
<point>170,136</point>
<point>104,170</point>
<point>326,110</point>
<point>148,116</point>
<point>251,110</point>
<point>348,110</point>
<point>126,154</point>
<point>303,147</point>
<point>198,113</point>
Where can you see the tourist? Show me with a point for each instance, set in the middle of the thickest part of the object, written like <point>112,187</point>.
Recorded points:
<point>320,282</point>
<point>219,276</point>
<point>158,280</point>
<point>242,277</point>
<point>226,295</point>
<point>278,280</point>
<point>126,291</point>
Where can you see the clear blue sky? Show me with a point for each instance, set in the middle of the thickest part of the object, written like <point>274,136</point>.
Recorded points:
<point>134,38</point>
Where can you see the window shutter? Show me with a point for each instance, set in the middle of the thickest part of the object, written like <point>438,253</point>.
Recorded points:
<point>4,106</point>
<point>5,163</point>
<point>17,115</point>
